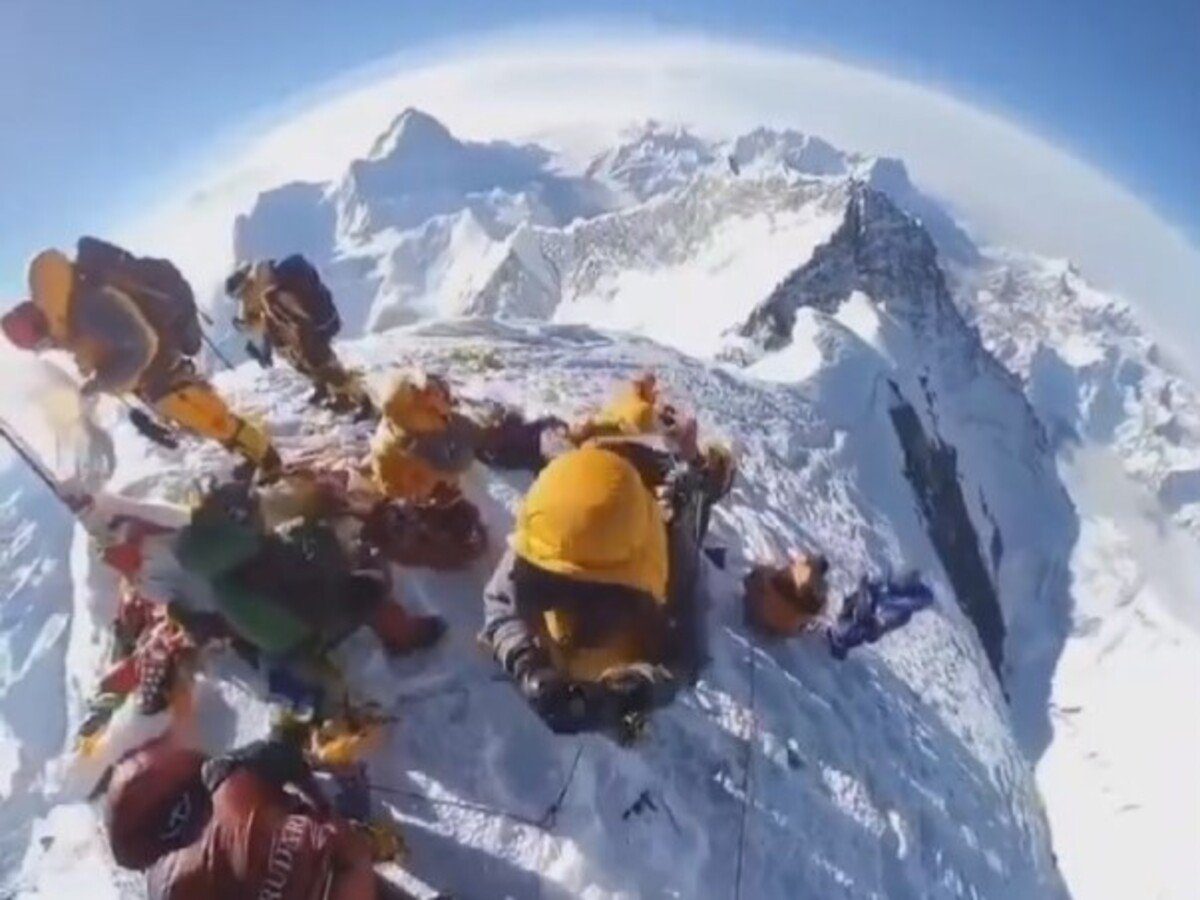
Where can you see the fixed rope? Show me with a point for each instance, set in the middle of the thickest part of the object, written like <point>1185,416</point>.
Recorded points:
<point>748,774</point>
<point>545,822</point>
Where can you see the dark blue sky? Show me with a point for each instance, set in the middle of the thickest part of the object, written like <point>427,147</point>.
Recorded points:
<point>101,104</point>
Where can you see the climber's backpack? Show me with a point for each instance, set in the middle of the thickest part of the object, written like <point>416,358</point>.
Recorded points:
<point>296,276</point>
<point>160,292</point>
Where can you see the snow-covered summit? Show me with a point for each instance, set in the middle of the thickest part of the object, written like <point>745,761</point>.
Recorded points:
<point>653,159</point>
<point>661,197</point>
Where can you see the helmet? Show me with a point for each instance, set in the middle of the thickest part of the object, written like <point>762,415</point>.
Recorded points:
<point>157,803</point>
<point>589,517</point>
<point>25,326</point>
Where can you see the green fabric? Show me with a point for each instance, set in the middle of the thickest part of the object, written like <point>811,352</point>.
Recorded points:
<point>214,549</point>
<point>259,619</point>
<point>217,553</point>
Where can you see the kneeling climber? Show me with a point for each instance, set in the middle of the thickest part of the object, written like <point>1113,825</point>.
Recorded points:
<point>286,307</point>
<point>592,609</point>
<point>132,325</point>
<point>420,450</point>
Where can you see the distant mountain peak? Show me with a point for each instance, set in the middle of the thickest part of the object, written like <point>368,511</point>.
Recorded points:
<point>794,150</point>
<point>412,129</point>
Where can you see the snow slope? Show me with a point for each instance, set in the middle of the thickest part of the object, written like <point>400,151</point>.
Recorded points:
<point>893,774</point>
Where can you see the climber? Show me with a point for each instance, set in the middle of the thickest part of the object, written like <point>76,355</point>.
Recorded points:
<point>294,589</point>
<point>592,610</point>
<point>878,606</point>
<point>786,600</point>
<point>252,823</point>
<point>638,413</point>
<point>286,307</point>
<point>783,601</point>
<point>153,657</point>
<point>638,409</point>
<point>131,324</point>
<point>420,449</point>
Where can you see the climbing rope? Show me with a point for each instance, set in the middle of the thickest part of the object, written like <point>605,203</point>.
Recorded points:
<point>545,822</point>
<point>748,773</point>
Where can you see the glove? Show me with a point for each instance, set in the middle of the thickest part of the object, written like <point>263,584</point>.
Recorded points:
<point>629,691</point>
<point>636,689</point>
<point>563,705</point>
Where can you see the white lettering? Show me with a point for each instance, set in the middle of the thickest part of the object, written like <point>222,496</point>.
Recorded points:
<point>283,856</point>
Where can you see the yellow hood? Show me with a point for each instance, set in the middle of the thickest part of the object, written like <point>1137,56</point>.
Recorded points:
<point>589,517</point>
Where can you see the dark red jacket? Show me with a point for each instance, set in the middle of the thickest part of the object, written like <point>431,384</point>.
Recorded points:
<point>262,843</point>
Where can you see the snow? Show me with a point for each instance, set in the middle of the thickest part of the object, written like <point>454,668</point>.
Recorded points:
<point>690,305</point>
<point>873,765</point>
<point>1126,696</point>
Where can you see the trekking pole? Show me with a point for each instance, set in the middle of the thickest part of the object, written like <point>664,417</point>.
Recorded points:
<point>27,453</point>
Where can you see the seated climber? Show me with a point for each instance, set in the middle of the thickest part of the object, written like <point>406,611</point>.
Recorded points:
<point>591,610</point>
<point>783,601</point>
<point>252,823</point>
<point>296,588</point>
<point>419,451</point>
<point>786,600</point>
<point>132,325</point>
<point>286,307</point>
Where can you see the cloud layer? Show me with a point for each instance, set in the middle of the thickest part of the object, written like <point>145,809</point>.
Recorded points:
<point>1009,186</point>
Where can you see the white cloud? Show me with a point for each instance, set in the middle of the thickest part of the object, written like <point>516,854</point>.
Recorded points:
<point>1010,186</point>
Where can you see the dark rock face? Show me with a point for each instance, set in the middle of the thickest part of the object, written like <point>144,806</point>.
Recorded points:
<point>877,250</point>
<point>882,252</point>
<point>931,467</point>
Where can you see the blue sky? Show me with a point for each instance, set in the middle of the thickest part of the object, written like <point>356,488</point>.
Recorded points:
<point>104,107</point>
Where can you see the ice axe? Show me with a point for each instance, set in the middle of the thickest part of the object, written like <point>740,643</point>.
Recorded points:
<point>30,458</point>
